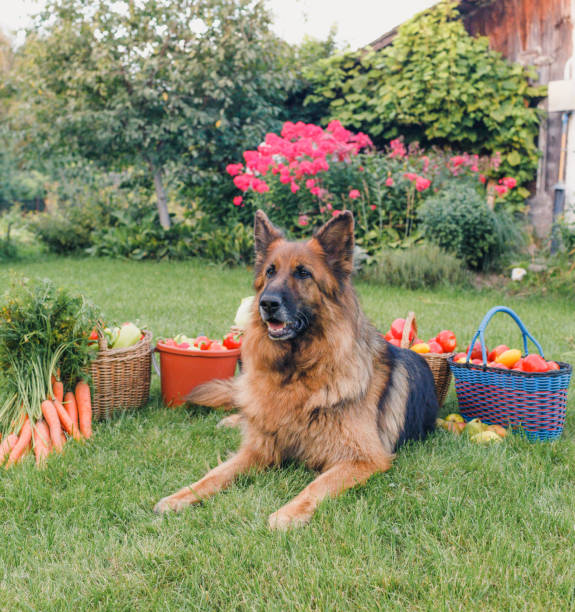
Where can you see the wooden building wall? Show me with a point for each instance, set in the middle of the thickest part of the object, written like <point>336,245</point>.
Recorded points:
<point>539,33</point>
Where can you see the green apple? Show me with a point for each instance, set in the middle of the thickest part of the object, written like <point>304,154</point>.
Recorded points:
<point>474,427</point>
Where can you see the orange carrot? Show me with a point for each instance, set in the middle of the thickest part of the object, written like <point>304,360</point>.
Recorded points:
<point>84,404</point>
<point>72,410</point>
<point>7,445</point>
<point>42,442</point>
<point>22,445</point>
<point>65,420</point>
<point>51,416</point>
<point>58,390</point>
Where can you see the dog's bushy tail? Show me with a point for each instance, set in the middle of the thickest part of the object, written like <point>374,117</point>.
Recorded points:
<point>215,394</point>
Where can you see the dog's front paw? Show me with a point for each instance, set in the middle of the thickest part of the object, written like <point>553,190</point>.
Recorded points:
<point>169,504</point>
<point>284,519</point>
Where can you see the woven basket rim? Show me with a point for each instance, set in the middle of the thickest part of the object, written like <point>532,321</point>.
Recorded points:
<point>439,355</point>
<point>564,368</point>
<point>146,339</point>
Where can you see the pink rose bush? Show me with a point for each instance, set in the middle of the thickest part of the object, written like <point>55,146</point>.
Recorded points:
<point>307,174</point>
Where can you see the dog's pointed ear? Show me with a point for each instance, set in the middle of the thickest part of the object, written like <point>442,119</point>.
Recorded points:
<point>336,240</point>
<point>264,234</point>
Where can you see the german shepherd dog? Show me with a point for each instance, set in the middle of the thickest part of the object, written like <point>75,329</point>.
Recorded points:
<point>318,383</point>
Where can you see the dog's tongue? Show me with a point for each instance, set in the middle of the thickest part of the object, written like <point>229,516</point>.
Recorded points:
<point>275,326</point>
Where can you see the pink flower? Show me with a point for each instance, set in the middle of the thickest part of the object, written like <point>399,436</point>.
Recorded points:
<point>238,200</point>
<point>372,206</point>
<point>234,169</point>
<point>310,183</point>
<point>501,190</point>
<point>397,148</point>
<point>482,178</point>
<point>422,183</point>
<point>260,186</point>
<point>509,182</point>
<point>252,158</point>
<point>457,160</point>
<point>335,213</point>
<point>474,169</point>
<point>316,191</point>
<point>243,181</point>
<point>354,194</point>
<point>410,176</point>
<point>329,206</point>
<point>389,181</point>
<point>294,187</point>
<point>303,220</point>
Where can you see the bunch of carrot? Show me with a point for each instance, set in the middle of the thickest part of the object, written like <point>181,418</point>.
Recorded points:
<point>69,414</point>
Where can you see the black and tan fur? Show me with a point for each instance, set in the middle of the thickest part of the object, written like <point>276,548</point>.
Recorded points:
<point>318,383</point>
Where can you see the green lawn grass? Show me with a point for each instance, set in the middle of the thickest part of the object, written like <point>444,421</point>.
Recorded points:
<point>450,526</point>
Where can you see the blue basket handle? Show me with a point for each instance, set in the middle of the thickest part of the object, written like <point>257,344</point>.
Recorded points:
<point>481,332</point>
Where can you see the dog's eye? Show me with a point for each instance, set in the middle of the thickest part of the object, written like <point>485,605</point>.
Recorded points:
<point>301,272</point>
<point>270,271</point>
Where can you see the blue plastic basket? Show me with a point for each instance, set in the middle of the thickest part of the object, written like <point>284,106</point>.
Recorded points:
<point>532,403</point>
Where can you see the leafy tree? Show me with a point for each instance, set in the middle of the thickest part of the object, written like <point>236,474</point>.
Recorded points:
<point>437,84</point>
<point>148,83</point>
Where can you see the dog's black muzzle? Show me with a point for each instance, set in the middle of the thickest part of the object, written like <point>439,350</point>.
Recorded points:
<point>284,321</point>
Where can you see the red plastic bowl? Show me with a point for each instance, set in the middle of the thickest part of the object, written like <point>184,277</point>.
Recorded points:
<point>182,369</point>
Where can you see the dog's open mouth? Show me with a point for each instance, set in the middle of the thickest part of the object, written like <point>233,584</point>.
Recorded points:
<point>279,330</point>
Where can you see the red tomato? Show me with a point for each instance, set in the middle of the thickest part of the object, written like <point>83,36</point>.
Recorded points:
<point>459,356</point>
<point>184,345</point>
<point>232,341</point>
<point>93,335</point>
<point>435,347</point>
<point>534,363</point>
<point>202,342</point>
<point>477,361</point>
<point>447,340</point>
<point>497,351</point>
<point>216,346</point>
<point>388,336</point>
<point>397,329</point>
<point>170,342</point>
<point>395,342</point>
<point>553,365</point>
<point>476,352</point>
<point>518,366</point>
<point>417,341</point>
<point>501,366</point>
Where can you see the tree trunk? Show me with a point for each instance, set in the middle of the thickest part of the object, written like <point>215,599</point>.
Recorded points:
<point>161,198</point>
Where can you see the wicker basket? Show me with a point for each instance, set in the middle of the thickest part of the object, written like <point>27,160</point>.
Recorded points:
<point>532,403</point>
<point>437,362</point>
<point>121,377</point>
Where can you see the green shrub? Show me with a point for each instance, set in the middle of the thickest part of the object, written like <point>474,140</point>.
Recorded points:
<point>419,267</point>
<point>63,233</point>
<point>138,235</point>
<point>8,250</point>
<point>458,220</point>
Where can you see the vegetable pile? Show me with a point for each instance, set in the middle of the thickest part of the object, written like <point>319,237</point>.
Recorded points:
<point>231,341</point>
<point>504,358</point>
<point>44,349</point>
<point>475,430</point>
<point>444,342</point>
<point>122,336</point>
